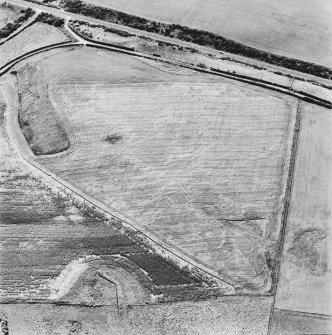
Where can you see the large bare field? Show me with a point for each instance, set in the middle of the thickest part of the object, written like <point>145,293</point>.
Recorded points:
<point>294,28</point>
<point>34,37</point>
<point>195,159</point>
<point>227,316</point>
<point>306,277</point>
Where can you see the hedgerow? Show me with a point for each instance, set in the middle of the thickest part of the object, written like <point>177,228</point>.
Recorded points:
<point>163,272</point>
<point>10,27</point>
<point>200,37</point>
<point>50,19</point>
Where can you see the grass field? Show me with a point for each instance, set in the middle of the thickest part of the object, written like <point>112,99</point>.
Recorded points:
<point>306,264</point>
<point>296,28</point>
<point>34,37</point>
<point>197,160</point>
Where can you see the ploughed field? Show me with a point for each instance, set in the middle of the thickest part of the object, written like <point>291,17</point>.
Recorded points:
<point>198,160</point>
<point>293,28</point>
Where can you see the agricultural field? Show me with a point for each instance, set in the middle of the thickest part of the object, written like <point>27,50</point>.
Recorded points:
<point>306,260</point>
<point>36,36</point>
<point>43,229</point>
<point>11,27</point>
<point>143,191</point>
<point>297,29</point>
<point>226,315</point>
<point>222,210</point>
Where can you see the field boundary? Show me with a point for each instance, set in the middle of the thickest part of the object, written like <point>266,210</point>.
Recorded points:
<point>113,47</point>
<point>197,36</point>
<point>176,42</point>
<point>306,314</point>
<point>5,68</point>
<point>288,90</point>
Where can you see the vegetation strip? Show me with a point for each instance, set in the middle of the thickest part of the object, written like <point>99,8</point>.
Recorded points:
<point>4,69</point>
<point>276,265</point>
<point>11,27</point>
<point>51,19</point>
<point>261,83</point>
<point>258,82</point>
<point>187,34</point>
<point>41,125</point>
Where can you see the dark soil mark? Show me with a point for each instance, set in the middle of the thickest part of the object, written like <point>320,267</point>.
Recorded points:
<point>41,126</point>
<point>113,138</point>
<point>305,249</point>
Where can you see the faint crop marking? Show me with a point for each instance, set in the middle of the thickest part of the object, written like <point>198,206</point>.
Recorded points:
<point>305,249</point>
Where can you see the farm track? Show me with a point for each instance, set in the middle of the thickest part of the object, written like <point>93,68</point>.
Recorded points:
<point>5,68</point>
<point>115,48</point>
<point>158,38</point>
<point>288,90</point>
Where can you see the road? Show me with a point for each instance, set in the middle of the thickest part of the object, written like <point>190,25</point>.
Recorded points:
<point>205,50</point>
<point>8,88</point>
